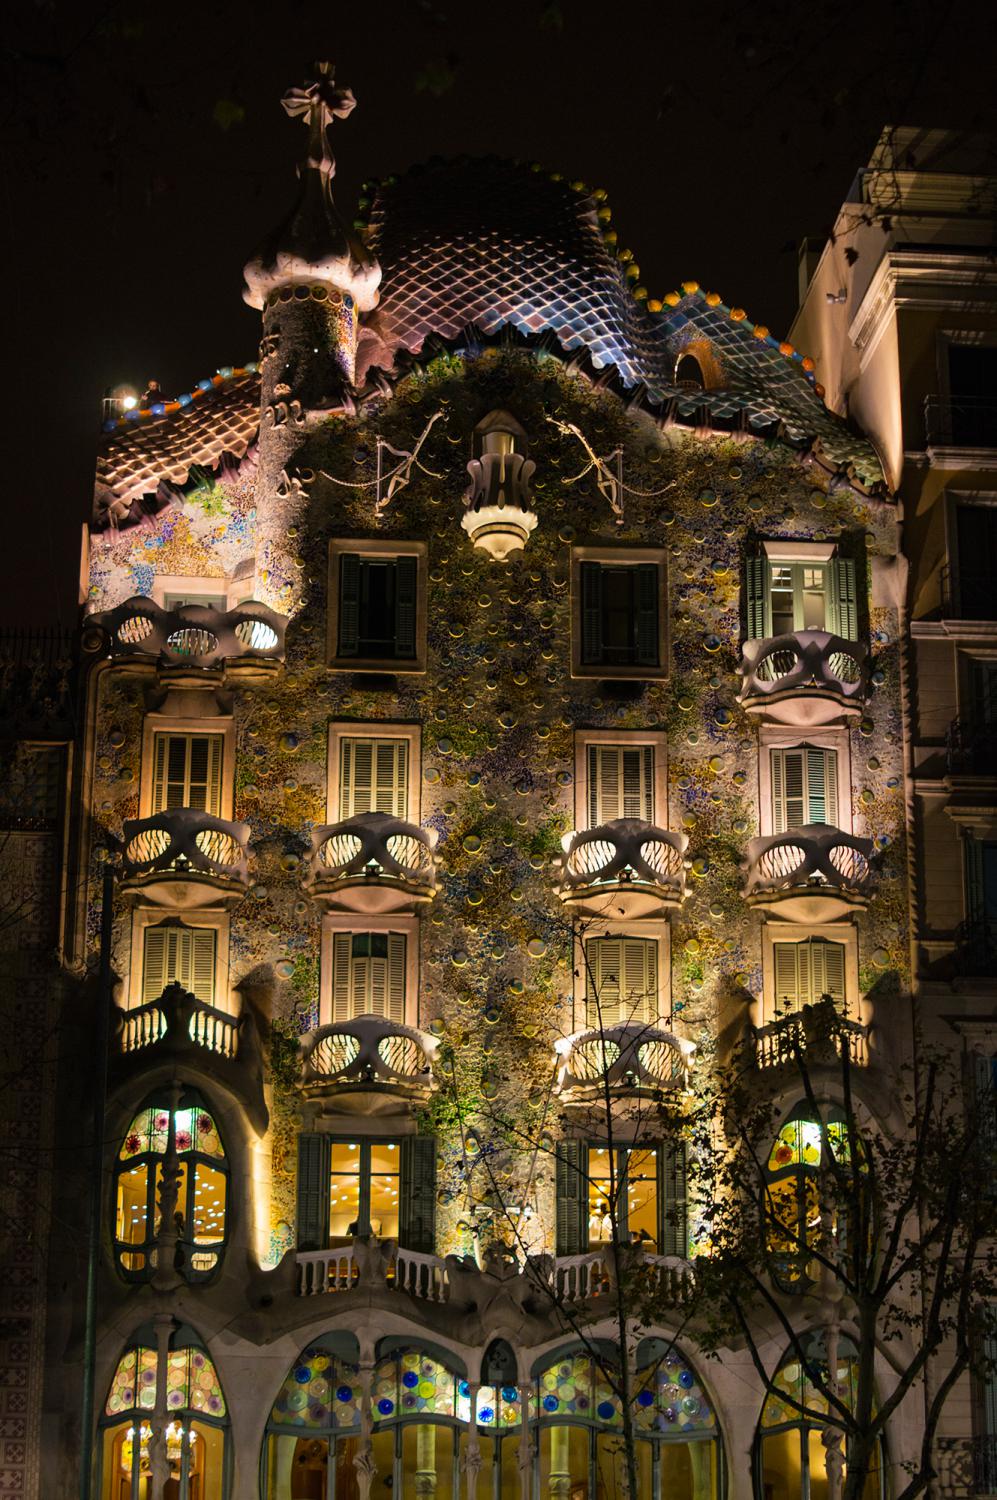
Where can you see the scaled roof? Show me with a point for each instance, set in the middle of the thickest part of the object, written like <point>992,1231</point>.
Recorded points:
<point>476,246</point>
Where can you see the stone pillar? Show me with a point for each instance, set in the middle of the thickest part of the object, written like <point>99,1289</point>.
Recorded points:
<point>560,1462</point>
<point>165,1277</point>
<point>831,1436</point>
<point>525,1451</point>
<point>471,1461</point>
<point>363,1459</point>
<point>158,1461</point>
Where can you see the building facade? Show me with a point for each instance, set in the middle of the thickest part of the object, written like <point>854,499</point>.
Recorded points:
<point>498,686</point>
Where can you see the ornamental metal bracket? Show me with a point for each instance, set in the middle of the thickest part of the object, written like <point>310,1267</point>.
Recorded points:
<point>608,470</point>
<point>389,481</point>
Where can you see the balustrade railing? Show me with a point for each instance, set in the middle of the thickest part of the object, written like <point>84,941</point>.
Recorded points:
<point>580,1278</point>
<point>179,1013</point>
<point>804,663</point>
<point>186,841</point>
<point>326,1271</point>
<point>960,421</point>
<point>385,859</point>
<point>422,1276</point>
<point>368,1052</point>
<point>971,747</point>
<point>781,1042</point>
<point>193,635</point>
<point>633,1057</point>
<point>816,854</point>
<point>627,859</point>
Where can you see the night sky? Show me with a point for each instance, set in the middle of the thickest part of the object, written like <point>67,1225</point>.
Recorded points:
<point>145,154</point>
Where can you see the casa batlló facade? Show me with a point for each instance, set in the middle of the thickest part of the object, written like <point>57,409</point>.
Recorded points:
<point>497,684</point>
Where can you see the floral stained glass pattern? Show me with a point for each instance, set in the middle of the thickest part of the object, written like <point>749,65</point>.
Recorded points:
<point>192,1383</point>
<point>134,1385</point>
<point>410,1384</point>
<point>148,1133</point>
<point>672,1401</point>
<point>798,1144</point>
<point>320,1393</point>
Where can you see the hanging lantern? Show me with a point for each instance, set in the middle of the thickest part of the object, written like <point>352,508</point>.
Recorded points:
<point>497,517</point>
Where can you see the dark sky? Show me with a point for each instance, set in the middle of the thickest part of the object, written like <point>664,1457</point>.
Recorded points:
<point>145,152</point>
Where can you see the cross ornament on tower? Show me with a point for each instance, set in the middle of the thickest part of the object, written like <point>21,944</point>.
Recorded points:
<point>320,103</point>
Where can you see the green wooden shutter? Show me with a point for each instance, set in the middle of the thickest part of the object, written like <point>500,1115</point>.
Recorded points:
<point>590,575</point>
<point>604,784</point>
<point>756,597</point>
<point>572,1197</point>
<point>788,791</point>
<point>638,782</point>
<point>984,1101</point>
<point>355,776</point>
<point>159,754</point>
<point>646,614</point>
<point>406,586</point>
<point>373,777</point>
<point>672,1204</point>
<point>975,903</point>
<point>153,963</point>
<point>349,604</point>
<point>785,960</point>
<point>417,1196</point>
<point>342,965</point>
<point>313,1191</point>
<point>842,604</point>
<point>822,786</point>
<point>827,968</point>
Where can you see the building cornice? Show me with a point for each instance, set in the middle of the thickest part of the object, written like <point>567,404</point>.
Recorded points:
<point>926,279</point>
<point>954,630</point>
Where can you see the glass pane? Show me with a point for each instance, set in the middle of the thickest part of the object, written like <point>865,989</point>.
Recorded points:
<point>131,1214</point>
<point>688,1470</point>
<point>428,1449</point>
<point>610,1471</point>
<point>781,596</point>
<point>782,1469</point>
<point>344,1191</point>
<point>818,1468</point>
<point>296,1468</point>
<point>814,606</point>
<point>178,1215</point>
<point>384,1169</point>
<point>208,1209</point>
<point>207,1462</point>
<point>600,1196</point>
<point>564,1457</point>
<point>618,614</point>
<point>642,1197</point>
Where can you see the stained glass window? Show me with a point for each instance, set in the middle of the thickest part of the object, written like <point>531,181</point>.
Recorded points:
<point>410,1384</point>
<point>320,1392</point>
<point>791,1454</point>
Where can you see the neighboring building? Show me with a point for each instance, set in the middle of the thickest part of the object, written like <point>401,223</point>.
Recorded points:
<point>343,713</point>
<point>905,338</point>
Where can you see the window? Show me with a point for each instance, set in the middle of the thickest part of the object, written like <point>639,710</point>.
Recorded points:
<point>202,1192</point>
<point>619,613</point>
<point>363,1187</point>
<point>368,975</point>
<point>187,772</point>
<point>373,776</point>
<point>791,1456</point>
<point>176,954</point>
<point>806,971</point>
<point>792,1210</point>
<point>644,1186</point>
<point>205,601</point>
<point>976,558</point>
<point>621,981</point>
<point>794,594</point>
<point>972,382</point>
<point>377,605</point>
<point>620,783</point>
<point>979,946</point>
<point>196,1431</point>
<point>804,788</point>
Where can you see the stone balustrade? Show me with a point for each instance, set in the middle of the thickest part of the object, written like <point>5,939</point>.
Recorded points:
<point>372,862</point>
<point>627,868</point>
<point>581,1278</point>
<point>811,874</point>
<point>191,636</point>
<point>634,1058</point>
<point>808,677</point>
<point>368,1054</point>
<point>781,1042</point>
<point>185,857</point>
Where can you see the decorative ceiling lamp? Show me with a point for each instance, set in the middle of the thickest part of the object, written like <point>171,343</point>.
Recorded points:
<point>497,517</point>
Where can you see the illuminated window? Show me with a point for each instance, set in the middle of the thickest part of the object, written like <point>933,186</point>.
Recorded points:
<point>204,601</point>
<point>791,1455</point>
<point>621,981</point>
<point>368,975</point>
<point>196,1428</point>
<point>620,783</point>
<point>202,1191</point>
<point>366,1186</point>
<point>784,597</point>
<point>173,953</point>
<point>187,772</point>
<point>642,1187</point>
<point>791,1196</point>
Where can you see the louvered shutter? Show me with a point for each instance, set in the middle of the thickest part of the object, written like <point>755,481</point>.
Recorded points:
<point>395,985</point>
<point>349,604</point>
<point>604,784</point>
<point>673,1233</point>
<point>373,777</point>
<point>822,787</point>
<point>827,969</point>
<point>572,1197</point>
<point>646,614</point>
<point>841,598</point>
<point>391,777</point>
<point>756,597</point>
<point>984,1101</point>
<point>590,575</point>
<point>153,963</point>
<point>203,780</point>
<point>603,981</point>
<point>640,979</point>
<point>417,1196</point>
<point>638,782</point>
<point>788,795</point>
<point>159,758</point>
<point>406,584</point>
<point>202,964</point>
<point>342,967</point>
<point>785,959</point>
<point>313,1191</point>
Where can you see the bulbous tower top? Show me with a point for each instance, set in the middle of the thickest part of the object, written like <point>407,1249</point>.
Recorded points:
<point>313,244</point>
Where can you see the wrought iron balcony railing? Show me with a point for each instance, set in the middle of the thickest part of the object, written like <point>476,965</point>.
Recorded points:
<point>960,421</point>
<point>185,857</point>
<point>634,1058</point>
<point>808,677</point>
<point>812,874</point>
<point>968,591</point>
<point>975,953</point>
<point>372,862</point>
<point>192,635</point>
<point>971,748</point>
<point>984,1456</point>
<point>627,868</point>
<point>781,1042</point>
<point>368,1055</point>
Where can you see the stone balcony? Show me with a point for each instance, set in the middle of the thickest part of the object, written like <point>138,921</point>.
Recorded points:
<point>372,863</point>
<point>185,858</point>
<point>182,1034</point>
<point>247,641</point>
<point>367,1065</point>
<point>807,678</point>
<point>626,869</point>
<point>632,1060</point>
<point>813,874</point>
<point>807,1034</point>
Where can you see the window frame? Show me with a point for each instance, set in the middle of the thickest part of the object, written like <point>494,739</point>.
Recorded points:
<point>792,552</point>
<point>357,923</point>
<point>144,917</point>
<point>768,1010</point>
<point>956,500</point>
<point>657,740</point>
<point>359,729</point>
<point>609,556</point>
<point>416,1181</point>
<point>232,591</point>
<point>156,724</point>
<point>819,738</point>
<point>650,929</point>
<point>573,1187</point>
<point>383,549</point>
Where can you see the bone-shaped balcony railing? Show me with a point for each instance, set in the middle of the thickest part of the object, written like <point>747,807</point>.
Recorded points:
<point>628,1058</point>
<point>816,855</point>
<point>807,661</point>
<point>192,635</point>
<point>368,1051</point>
<point>185,842</point>
<point>626,852</point>
<point>373,849</point>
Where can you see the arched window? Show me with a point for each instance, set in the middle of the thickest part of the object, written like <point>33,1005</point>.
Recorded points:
<point>195,1426</point>
<point>792,1207</point>
<point>202,1192</point>
<point>790,1454</point>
